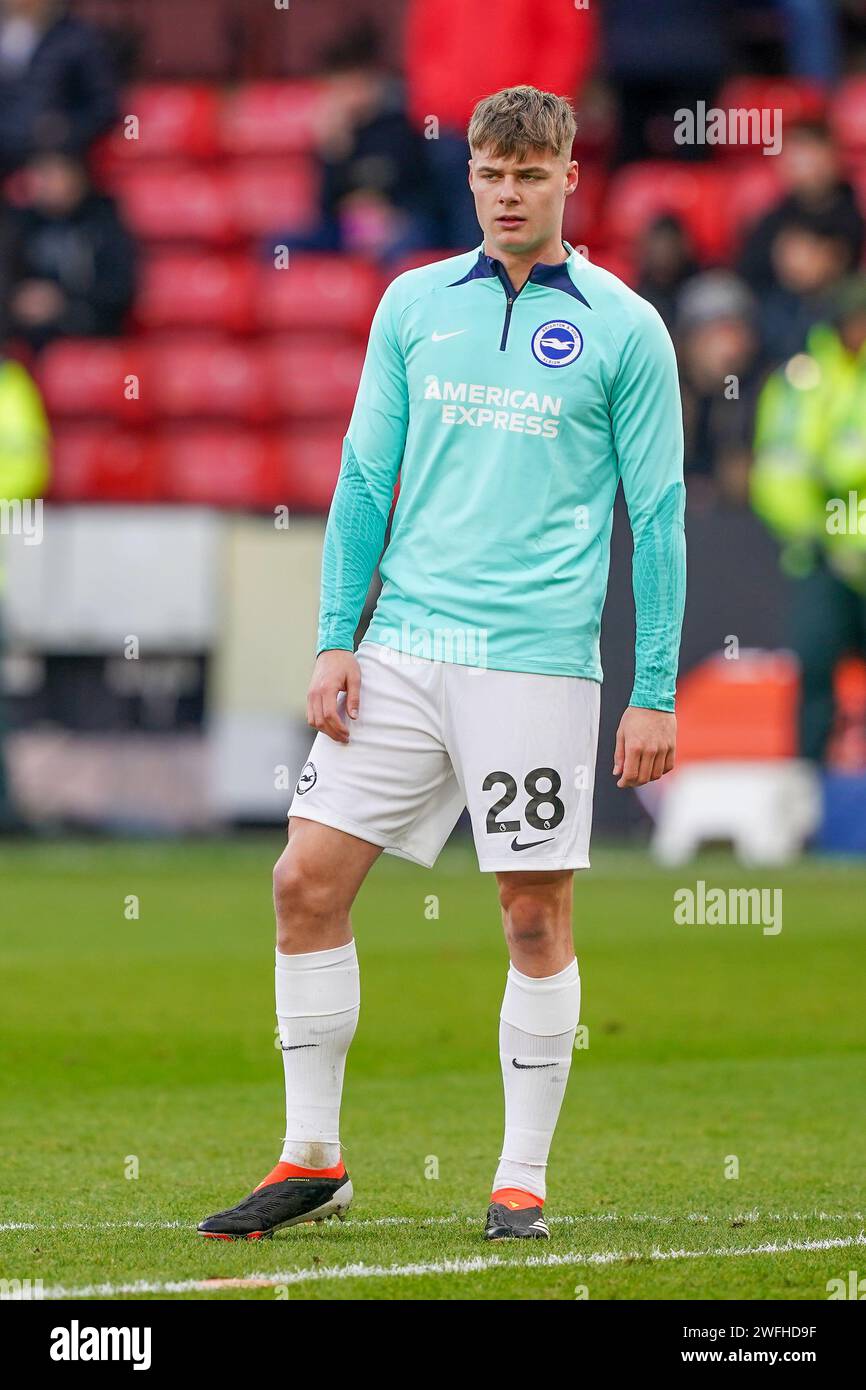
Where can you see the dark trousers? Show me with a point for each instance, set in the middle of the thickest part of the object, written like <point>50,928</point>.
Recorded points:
<point>828,621</point>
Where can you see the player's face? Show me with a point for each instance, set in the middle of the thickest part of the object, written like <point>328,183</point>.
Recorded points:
<point>519,203</point>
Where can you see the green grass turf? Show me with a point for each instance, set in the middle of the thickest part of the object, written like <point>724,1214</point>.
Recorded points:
<point>154,1038</point>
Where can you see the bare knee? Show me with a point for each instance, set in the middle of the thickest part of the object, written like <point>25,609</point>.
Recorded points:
<point>528,921</point>
<point>536,916</point>
<point>306,903</point>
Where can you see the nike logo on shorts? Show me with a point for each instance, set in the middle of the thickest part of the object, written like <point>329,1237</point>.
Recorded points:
<point>515,843</point>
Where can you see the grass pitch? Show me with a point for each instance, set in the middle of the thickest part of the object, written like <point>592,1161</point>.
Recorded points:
<point>145,1045</point>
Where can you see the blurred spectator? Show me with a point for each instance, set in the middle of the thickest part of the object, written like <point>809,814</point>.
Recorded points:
<point>665,260</point>
<point>717,346</point>
<point>57,88</point>
<point>24,442</point>
<point>814,187</point>
<point>808,485</point>
<point>809,255</point>
<point>662,55</point>
<point>72,261</point>
<point>457,53</point>
<point>375,192</point>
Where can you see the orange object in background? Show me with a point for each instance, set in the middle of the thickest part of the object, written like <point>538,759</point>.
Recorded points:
<point>746,709</point>
<point>739,709</point>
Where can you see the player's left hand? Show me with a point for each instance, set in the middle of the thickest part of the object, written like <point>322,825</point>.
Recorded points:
<point>646,744</point>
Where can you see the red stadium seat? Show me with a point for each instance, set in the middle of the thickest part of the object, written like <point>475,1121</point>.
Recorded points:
<point>797,98</point>
<point>310,463</point>
<point>848,114</point>
<point>270,118</point>
<point>175,119</point>
<point>227,467</point>
<point>639,193</point>
<point>314,378</point>
<point>96,377</point>
<point>325,292</point>
<point>98,463</point>
<point>176,202</point>
<point>208,377</point>
<point>221,467</point>
<point>274,196</point>
<point>188,290</point>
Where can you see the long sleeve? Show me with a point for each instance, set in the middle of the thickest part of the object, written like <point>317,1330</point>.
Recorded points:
<point>361,505</point>
<point>646,414</point>
<point>353,544</point>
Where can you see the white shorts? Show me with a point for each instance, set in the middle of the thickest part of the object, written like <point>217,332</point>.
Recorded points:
<point>433,737</point>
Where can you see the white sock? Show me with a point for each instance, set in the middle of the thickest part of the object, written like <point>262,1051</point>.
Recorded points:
<point>318,1000</point>
<point>537,1025</point>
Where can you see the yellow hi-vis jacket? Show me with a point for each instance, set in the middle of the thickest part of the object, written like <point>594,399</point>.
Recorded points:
<point>24,441</point>
<point>809,474</point>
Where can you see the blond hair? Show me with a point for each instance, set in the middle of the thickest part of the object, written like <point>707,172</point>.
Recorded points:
<point>518,119</point>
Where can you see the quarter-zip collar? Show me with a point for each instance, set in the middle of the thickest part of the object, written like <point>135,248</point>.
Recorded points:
<point>542,274</point>
<point>546,276</point>
<point>555,277</point>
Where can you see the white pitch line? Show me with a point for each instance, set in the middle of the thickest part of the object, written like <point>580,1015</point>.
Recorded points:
<point>371,1223</point>
<point>767,1248</point>
<point>95,1225</point>
<point>475,1264</point>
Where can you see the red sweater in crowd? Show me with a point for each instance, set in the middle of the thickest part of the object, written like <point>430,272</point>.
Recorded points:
<point>458,51</point>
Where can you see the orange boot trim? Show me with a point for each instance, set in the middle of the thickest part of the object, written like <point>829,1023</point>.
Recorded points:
<point>291,1170</point>
<point>516,1199</point>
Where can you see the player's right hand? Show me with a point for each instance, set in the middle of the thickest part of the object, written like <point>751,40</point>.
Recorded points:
<point>335,671</point>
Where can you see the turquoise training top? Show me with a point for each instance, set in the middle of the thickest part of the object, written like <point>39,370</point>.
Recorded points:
<point>511,417</point>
